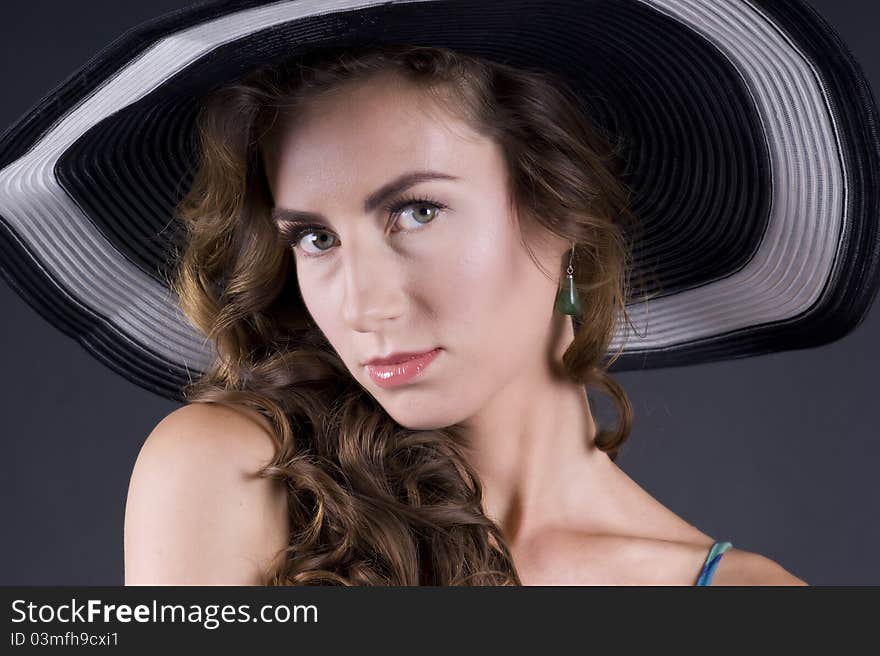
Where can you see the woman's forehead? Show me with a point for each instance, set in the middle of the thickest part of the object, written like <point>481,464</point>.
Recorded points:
<point>354,144</point>
<point>383,118</point>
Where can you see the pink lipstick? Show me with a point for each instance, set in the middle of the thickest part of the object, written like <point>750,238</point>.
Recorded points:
<point>399,373</point>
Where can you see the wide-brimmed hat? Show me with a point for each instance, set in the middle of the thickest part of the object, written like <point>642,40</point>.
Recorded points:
<point>749,135</point>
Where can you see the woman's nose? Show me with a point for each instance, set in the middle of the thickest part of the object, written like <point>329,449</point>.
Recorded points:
<point>373,284</point>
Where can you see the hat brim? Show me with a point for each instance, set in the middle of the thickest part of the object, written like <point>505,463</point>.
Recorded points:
<point>748,128</point>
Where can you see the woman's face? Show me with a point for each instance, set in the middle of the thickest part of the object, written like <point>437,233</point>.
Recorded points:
<point>451,274</point>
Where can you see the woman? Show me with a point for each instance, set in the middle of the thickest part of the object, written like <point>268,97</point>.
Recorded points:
<point>375,206</point>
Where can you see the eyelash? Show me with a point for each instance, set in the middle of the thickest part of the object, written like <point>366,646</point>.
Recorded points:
<point>393,208</point>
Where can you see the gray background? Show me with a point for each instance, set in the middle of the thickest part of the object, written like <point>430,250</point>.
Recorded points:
<point>776,454</point>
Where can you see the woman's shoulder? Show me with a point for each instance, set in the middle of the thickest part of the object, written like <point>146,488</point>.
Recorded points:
<point>740,567</point>
<point>209,440</point>
<point>573,558</point>
<point>196,510</point>
<point>231,429</point>
<point>734,566</point>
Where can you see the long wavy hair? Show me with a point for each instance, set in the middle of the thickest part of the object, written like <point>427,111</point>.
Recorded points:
<point>372,502</point>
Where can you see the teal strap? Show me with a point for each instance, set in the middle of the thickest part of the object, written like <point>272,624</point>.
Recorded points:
<point>711,563</point>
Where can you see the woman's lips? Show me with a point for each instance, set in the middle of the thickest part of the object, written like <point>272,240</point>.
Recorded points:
<point>399,373</point>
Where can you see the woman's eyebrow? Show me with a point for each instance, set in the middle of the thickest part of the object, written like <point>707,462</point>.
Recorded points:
<point>400,183</point>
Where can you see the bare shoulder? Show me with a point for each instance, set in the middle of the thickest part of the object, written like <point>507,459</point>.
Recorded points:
<point>739,567</point>
<point>565,557</point>
<point>196,511</point>
<point>572,558</point>
<point>214,426</point>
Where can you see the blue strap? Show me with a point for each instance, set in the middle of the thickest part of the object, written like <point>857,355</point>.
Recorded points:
<point>711,563</point>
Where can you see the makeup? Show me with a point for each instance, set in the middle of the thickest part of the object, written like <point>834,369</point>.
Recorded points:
<point>400,373</point>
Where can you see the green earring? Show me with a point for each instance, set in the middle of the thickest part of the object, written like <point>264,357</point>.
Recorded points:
<point>568,301</point>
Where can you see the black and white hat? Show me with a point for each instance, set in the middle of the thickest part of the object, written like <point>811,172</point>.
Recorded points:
<point>751,143</point>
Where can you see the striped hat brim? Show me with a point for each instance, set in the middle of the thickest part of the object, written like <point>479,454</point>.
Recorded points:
<point>748,131</point>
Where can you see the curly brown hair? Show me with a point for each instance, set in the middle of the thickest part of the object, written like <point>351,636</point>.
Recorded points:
<point>372,502</point>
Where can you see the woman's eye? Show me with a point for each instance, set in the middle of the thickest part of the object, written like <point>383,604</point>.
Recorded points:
<point>306,237</point>
<point>420,216</point>
<point>424,211</point>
